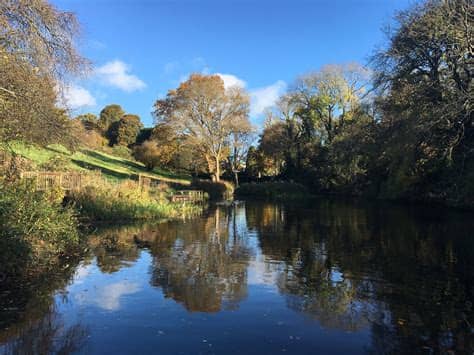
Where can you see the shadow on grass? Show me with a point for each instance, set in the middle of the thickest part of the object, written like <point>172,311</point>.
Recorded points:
<point>58,149</point>
<point>133,165</point>
<point>114,161</point>
<point>105,171</point>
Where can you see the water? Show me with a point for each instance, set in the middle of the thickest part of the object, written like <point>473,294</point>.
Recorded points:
<point>327,277</point>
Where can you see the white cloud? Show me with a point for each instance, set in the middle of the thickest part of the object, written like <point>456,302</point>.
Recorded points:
<point>75,97</point>
<point>231,81</point>
<point>108,297</point>
<point>265,97</point>
<point>116,74</point>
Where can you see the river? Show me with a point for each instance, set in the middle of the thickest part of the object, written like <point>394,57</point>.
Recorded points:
<point>322,277</point>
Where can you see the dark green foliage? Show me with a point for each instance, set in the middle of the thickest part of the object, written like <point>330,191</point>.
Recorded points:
<point>425,83</point>
<point>108,115</point>
<point>273,191</point>
<point>414,139</point>
<point>144,135</point>
<point>124,131</point>
<point>36,229</point>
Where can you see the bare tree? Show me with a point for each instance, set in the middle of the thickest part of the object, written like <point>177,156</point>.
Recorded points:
<point>240,143</point>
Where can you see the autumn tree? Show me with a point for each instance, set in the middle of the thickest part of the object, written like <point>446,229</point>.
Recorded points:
<point>89,121</point>
<point>149,154</point>
<point>207,114</point>
<point>37,51</point>
<point>125,130</point>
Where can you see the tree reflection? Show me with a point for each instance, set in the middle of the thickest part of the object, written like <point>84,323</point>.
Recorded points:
<point>47,335</point>
<point>29,321</point>
<point>114,247</point>
<point>203,264</point>
<point>349,266</point>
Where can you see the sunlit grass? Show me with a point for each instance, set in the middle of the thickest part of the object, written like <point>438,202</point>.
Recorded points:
<point>112,167</point>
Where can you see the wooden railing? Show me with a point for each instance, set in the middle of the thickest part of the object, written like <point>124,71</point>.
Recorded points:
<point>70,180</point>
<point>189,196</point>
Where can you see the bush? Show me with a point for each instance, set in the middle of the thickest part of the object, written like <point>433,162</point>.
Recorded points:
<point>222,190</point>
<point>273,190</point>
<point>148,153</point>
<point>36,229</point>
<point>122,202</point>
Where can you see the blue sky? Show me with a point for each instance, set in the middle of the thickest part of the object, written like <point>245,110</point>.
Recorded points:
<point>141,49</point>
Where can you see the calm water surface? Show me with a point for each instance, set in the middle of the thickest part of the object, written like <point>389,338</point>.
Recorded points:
<point>259,278</point>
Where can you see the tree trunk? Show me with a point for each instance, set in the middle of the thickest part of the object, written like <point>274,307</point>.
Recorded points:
<point>218,169</point>
<point>236,178</point>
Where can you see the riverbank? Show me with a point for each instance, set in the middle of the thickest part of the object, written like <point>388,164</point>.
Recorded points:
<point>283,191</point>
<point>278,191</point>
<point>42,228</point>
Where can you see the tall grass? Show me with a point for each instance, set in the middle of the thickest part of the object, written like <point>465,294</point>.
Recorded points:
<point>105,201</point>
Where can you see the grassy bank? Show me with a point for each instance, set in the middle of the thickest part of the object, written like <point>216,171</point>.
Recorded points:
<point>125,202</point>
<point>41,229</point>
<point>273,191</point>
<point>115,165</point>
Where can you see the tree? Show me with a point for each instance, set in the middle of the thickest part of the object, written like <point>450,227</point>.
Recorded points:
<point>89,121</point>
<point>125,131</point>
<point>240,143</point>
<point>207,114</point>
<point>28,111</point>
<point>326,99</point>
<point>424,81</point>
<point>37,50</point>
<point>149,154</point>
<point>275,145</point>
<point>109,114</point>
<point>42,35</point>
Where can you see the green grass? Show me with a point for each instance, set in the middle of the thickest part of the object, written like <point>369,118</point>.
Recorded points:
<point>112,167</point>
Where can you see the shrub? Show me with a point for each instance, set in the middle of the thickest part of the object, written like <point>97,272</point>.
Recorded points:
<point>273,190</point>
<point>56,163</point>
<point>36,228</point>
<point>149,154</point>
<point>222,190</point>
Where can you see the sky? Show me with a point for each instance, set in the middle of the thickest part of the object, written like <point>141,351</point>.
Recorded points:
<point>140,49</point>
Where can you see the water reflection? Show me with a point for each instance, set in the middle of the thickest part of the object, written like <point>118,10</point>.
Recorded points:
<point>202,265</point>
<point>47,335</point>
<point>30,322</point>
<point>401,280</point>
<point>407,275</point>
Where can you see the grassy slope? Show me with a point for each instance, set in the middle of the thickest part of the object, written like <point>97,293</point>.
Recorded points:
<point>112,167</point>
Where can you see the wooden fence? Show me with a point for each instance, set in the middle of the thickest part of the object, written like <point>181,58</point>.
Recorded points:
<point>189,196</point>
<point>73,180</point>
<point>70,180</point>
